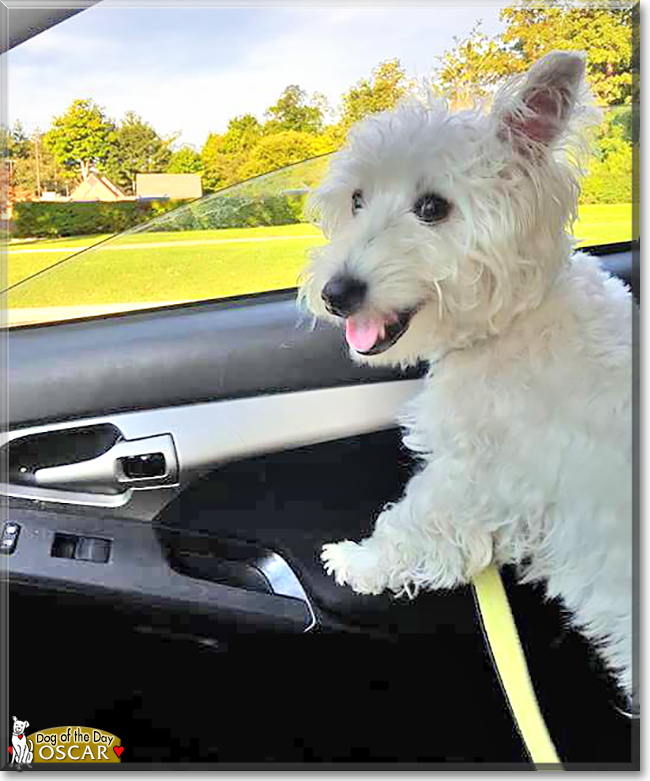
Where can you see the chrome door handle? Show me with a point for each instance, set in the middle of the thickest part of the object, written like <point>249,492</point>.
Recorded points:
<point>134,463</point>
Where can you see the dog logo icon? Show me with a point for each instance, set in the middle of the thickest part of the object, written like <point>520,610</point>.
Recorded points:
<point>22,750</point>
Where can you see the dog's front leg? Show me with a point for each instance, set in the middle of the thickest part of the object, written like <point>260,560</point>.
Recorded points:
<point>416,544</point>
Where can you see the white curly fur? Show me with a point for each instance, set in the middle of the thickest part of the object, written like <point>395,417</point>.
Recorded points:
<point>524,425</point>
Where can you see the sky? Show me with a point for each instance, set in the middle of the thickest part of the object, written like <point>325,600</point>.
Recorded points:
<point>190,70</point>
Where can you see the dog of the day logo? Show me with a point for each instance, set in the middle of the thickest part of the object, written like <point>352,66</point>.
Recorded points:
<point>64,744</point>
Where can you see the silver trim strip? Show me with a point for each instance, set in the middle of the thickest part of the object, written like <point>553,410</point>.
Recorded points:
<point>210,434</point>
<point>283,581</point>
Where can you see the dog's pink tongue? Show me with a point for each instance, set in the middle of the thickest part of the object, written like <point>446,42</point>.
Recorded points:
<point>363,334</point>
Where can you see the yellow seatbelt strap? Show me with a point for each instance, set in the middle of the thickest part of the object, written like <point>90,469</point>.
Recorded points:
<point>510,663</point>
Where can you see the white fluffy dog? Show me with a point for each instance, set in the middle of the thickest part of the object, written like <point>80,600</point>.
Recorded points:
<point>448,242</point>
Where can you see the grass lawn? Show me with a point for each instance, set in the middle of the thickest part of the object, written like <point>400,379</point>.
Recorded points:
<point>169,267</point>
<point>195,265</point>
<point>604,224</point>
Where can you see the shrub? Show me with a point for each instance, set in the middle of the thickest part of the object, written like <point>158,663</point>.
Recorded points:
<point>609,180</point>
<point>44,219</point>
<point>234,211</point>
<point>40,219</point>
<point>610,170</point>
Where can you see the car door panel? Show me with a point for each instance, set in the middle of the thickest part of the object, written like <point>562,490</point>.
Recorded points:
<point>296,446</point>
<point>184,355</point>
<point>282,444</point>
<point>136,570</point>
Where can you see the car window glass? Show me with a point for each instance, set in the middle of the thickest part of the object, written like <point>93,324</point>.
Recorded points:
<point>249,238</point>
<point>250,232</point>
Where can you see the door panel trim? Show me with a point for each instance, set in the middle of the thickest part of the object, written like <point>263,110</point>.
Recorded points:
<point>207,435</point>
<point>138,571</point>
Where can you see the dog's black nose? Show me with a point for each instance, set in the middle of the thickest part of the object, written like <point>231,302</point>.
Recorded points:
<point>343,296</point>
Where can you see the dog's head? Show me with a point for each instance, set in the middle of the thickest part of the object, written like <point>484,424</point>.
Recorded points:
<point>20,726</point>
<point>442,227</point>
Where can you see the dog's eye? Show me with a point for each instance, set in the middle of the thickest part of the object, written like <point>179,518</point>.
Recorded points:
<point>357,201</point>
<point>431,208</point>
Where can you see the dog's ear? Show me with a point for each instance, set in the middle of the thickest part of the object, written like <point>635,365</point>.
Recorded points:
<point>26,724</point>
<point>534,110</point>
<point>14,718</point>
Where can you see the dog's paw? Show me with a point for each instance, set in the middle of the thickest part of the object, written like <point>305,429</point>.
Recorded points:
<point>354,565</point>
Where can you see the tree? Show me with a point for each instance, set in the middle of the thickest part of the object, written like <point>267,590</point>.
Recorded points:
<point>38,170</point>
<point>243,132</point>
<point>470,71</point>
<point>611,169</point>
<point>224,155</point>
<point>604,32</point>
<point>280,149</point>
<point>476,64</point>
<point>294,111</point>
<point>387,84</point>
<point>14,150</point>
<point>185,160</point>
<point>14,142</point>
<point>81,137</point>
<point>214,163</point>
<point>137,148</point>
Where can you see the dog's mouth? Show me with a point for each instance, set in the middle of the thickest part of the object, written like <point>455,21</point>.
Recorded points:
<point>374,335</point>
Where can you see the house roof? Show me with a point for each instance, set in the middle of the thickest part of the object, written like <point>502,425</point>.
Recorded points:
<point>91,187</point>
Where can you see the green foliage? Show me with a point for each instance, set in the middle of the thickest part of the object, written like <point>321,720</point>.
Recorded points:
<point>280,150</point>
<point>136,149</point>
<point>185,160</point>
<point>469,72</point>
<point>38,170</point>
<point>38,218</point>
<point>473,67</point>
<point>223,155</point>
<point>610,171</point>
<point>294,111</point>
<point>249,149</point>
<point>243,132</point>
<point>610,178</point>
<point>293,179</point>
<point>81,137</point>
<point>622,116</point>
<point>215,163</point>
<point>14,142</point>
<point>609,181</point>
<point>234,211</point>
<point>604,32</point>
<point>387,84</point>
<point>43,219</point>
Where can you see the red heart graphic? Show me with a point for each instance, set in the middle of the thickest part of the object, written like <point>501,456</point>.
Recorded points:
<point>11,751</point>
<point>118,750</point>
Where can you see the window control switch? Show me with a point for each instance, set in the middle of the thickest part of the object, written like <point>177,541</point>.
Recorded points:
<point>9,539</point>
<point>71,546</point>
<point>93,549</point>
